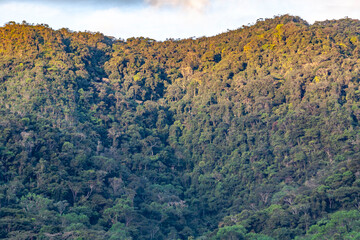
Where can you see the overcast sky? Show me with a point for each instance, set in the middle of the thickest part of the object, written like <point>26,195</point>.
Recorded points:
<point>161,19</point>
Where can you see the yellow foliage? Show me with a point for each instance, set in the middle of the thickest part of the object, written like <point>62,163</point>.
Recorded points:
<point>280,31</point>
<point>291,107</point>
<point>247,47</point>
<point>342,45</point>
<point>268,46</point>
<point>137,77</point>
<point>278,27</point>
<point>316,79</point>
<point>198,81</point>
<point>354,40</point>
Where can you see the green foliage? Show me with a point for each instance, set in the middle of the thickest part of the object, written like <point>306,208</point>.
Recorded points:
<point>231,233</point>
<point>250,134</point>
<point>339,225</point>
<point>117,231</point>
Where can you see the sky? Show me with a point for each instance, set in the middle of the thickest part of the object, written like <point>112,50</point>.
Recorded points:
<point>162,19</point>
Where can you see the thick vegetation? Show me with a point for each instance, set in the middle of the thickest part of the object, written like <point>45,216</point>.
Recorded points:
<point>251,134</point>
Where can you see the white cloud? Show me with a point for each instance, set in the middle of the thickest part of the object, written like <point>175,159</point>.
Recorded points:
<point>27,11</point>
<point>191,4</point>
<point>148,22</point>
<point>168,20</point>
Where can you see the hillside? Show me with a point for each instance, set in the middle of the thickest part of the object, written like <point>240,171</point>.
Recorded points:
<point>251,134</point>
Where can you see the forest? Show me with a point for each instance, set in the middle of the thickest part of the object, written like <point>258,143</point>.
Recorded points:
<point>252,134</point>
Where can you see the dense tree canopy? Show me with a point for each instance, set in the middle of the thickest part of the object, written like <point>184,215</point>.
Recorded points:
<point>250,134</point>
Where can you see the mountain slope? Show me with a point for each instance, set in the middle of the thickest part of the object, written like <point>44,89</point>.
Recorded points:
<point>250,134</point>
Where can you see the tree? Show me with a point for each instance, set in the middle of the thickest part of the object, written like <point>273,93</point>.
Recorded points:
<point>236,232</point>
<point>121,211</point>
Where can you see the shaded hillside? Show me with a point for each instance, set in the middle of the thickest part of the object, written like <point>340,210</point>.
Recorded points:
<point>250,134</point>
